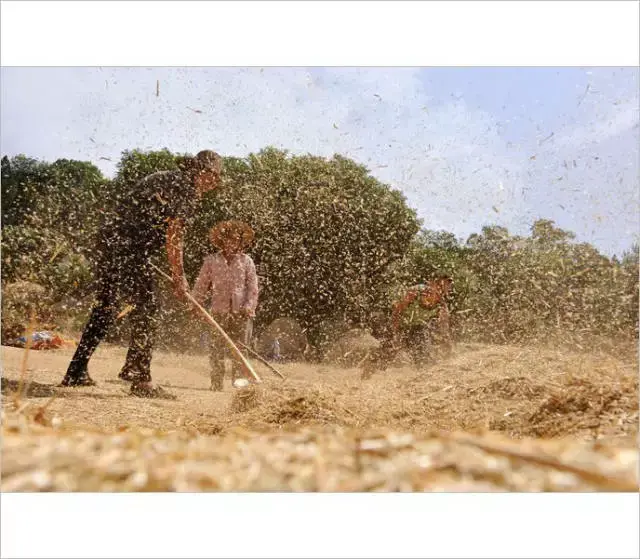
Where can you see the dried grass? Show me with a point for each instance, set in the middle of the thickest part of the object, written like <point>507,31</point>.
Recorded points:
<point>37,458</point>
<point>286,405</point>
<point>245,399</point>
<point>583,404</point>
<point>325,430</point>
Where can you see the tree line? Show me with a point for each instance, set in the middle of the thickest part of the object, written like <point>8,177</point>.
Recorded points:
<point>333,247</point>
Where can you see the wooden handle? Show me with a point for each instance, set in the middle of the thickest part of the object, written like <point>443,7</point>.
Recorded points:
<point>262,360</point>
<point>208,318</point>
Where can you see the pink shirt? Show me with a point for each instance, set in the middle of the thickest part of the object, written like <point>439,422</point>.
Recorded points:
<point>233,286</point>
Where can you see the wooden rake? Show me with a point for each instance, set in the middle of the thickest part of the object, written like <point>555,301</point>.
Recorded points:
<point>209,319</point>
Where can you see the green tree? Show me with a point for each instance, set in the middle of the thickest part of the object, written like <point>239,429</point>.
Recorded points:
<point>326,233</point>
<point>544,287</point>
<point>70,202</point>
<point>326,230</point>
<point>23,180</point>
<point>332,244</point>
<point>52,214</point>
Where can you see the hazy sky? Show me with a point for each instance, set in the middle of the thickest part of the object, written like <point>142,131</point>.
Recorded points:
<point>468,146</point>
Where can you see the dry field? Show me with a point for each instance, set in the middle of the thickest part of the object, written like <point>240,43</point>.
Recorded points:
<point>490,418</point>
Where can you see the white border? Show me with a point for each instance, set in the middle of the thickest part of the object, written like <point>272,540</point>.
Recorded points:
<point>311,33</point>
<point>322,525</point>
<point>133,33</point>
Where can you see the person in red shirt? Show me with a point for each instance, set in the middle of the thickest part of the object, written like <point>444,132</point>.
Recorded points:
<point>419,320</point>
<point>229,277</point>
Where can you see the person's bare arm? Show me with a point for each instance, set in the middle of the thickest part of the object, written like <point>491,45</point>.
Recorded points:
<point>203,282</point>
<point>175,244</point>
<point>399,308</point>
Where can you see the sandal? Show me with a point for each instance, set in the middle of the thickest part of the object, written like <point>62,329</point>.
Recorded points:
<point>147,390</point>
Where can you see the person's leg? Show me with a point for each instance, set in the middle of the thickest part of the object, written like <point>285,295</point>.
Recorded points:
<point>381,357</point>
<point>444,337</point>
<point>217,371</point>
<point>420,344</point>
<point>241,330</point>
<point>217,353</point>
<point>137,366</point>
<point>143,328</point>
<point>102,317</point>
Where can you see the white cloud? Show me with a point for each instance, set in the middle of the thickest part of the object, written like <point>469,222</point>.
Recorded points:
<point>451,159</point>
<point>621,117</point>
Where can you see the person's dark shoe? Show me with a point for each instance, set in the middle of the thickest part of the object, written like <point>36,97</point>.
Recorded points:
<point>147,390</point>
<point>82,380</point>
<point>134,374</point>
<point>128,376</point>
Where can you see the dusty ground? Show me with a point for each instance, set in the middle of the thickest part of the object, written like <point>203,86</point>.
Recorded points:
<point>519,393</point>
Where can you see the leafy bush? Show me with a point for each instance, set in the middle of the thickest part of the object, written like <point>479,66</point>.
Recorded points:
<point>333,247</point>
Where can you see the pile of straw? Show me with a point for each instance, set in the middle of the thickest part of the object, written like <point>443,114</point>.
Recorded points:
<point>46,456</point>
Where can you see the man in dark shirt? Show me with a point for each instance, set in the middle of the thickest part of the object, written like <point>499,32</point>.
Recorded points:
<point>152,213</point>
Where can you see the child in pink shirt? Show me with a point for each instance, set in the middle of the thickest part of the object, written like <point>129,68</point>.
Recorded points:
<point>229,276</point>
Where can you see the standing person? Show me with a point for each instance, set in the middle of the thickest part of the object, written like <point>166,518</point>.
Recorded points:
<point>153,212</point>
<point>419,320</point>
<point>230,276</point>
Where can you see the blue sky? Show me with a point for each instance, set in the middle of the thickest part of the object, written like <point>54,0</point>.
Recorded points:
<point>467,146</point>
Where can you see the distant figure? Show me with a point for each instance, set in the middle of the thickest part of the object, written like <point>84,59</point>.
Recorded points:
<point>149,215</point>
<point>275,351</point>
<point>230,277</point>
<point>204,340</point>
<point>419,321</point>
